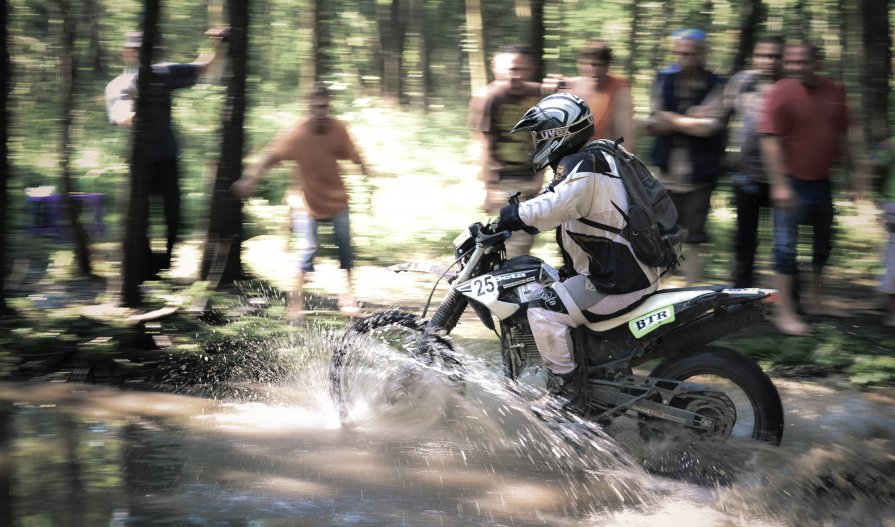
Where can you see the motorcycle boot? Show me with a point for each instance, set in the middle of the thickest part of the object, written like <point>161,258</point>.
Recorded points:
<point>567,391</point>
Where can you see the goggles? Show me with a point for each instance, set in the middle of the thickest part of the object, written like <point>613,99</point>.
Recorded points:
<point>541,136</point>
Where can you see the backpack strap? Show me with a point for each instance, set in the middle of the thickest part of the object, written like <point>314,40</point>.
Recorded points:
<point>598,225</point>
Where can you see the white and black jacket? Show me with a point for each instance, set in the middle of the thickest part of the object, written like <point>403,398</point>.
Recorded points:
<point>586,204</point>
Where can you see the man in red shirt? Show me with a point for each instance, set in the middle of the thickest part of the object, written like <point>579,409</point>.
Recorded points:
<point>315,145</point>
<point>804,127</point>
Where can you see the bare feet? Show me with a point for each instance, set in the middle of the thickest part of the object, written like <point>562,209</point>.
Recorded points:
<point>791,325</point>
<point>295,310</point>
<point>349,307</point>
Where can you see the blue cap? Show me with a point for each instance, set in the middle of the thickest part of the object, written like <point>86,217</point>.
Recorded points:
<point>689,34</point>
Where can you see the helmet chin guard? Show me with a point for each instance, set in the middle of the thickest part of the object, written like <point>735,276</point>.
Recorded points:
<point>560,125</point>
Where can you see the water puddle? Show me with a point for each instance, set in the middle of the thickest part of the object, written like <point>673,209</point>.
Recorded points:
<point>88,455</point>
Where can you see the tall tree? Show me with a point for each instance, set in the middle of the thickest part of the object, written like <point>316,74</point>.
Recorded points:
<point>322,42</point>
<point>877,68</point>
<point>4,154</point>
<point>68,76</point>
<point>6,431</point>
<point>660,38</point>
<point>475,42</point>
<point>419,36</point>
<point>91,15</point>
<point>635,15</point>
<point>137,253</point>
<point>393,35</point>
<point>798,25</point>
<point>221,262</point>
<point>750,17</point>
<point>537,37</point>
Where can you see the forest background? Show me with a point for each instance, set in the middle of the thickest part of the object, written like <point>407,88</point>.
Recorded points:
<point>402,72</point>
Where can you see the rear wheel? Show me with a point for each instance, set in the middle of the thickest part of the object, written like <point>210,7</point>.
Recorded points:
<point>387,363</point>
<point>746,393</point>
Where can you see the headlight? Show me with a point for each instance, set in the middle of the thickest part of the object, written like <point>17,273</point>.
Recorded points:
<point>461,239</point>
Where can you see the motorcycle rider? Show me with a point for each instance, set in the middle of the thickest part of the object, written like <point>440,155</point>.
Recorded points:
<point>585,203</point>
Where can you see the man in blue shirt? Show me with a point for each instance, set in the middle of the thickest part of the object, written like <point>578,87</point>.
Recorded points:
<point>688,123</point>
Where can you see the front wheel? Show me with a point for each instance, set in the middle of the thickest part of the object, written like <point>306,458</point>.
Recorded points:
<point>759,412</point>
<point>387,364</point>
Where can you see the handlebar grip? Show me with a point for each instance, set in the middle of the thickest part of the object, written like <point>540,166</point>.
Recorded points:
<point>493,239</point>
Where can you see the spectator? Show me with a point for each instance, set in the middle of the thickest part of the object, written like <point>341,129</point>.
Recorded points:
<point>804,127</point>
<point>315,144</point>
<point>884,165</point>
<point>504,157</point>
<point>687,120</point>
<point>121,95</point>
<point>743,97</point>
<point>608,96</point>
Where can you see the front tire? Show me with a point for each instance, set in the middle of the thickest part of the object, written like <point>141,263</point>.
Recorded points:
<point>389,355</point>
<point>759,412</point>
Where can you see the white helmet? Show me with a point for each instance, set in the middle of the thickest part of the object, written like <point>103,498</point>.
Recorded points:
<point>560,124</point>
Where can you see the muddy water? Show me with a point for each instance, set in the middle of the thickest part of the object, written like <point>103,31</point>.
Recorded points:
<point>83,455</point>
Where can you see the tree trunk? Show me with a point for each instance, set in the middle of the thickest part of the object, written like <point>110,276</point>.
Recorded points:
<point>137,253</point>
<point>750,17</point>
<point>800,21</point>
<point>427,44</point>
<point>635,12</point>
<point>5,71</point>
<point>91,14</point>
<point>307,21</point>
<point>417,32</point>
<point>7,434</point>
<point>222,262</point>
<point>877,70</point>
<point>393,35</point>
<point>537,38</point>
<point>478,73</point>
<point>705,16</point>
<point>68,75</point>
<point>660,38</point>
<point>322,28</point>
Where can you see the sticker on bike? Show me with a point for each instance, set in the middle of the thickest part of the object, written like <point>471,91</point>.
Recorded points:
<point>647,323</point>
<point>484,286</point>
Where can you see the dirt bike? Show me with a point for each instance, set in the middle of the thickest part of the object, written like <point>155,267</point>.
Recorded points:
<point>707,390</point>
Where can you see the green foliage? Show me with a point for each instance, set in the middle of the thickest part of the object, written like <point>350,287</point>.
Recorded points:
<point>872,370</point>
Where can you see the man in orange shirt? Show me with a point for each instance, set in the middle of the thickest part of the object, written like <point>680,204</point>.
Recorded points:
<point>608,96</point>
<point>315,144</point>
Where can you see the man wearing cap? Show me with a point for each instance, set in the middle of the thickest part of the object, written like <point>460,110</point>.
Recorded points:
<point>688,122</point>
<point>121,96</point>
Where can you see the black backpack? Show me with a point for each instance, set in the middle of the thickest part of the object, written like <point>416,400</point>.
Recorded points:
<point>652,228</point>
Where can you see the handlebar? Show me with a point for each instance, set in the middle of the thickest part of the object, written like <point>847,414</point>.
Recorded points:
<point>483,234</point>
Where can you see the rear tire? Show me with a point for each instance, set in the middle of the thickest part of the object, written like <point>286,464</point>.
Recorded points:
<point>763,398</point>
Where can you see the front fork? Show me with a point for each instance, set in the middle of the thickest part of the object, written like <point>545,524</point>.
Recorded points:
<point>448,313</point>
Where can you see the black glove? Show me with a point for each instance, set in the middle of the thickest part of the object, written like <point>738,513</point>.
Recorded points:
<point>509,221</point>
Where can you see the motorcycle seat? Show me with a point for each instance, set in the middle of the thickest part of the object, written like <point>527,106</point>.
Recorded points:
<point>656,301</point>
